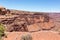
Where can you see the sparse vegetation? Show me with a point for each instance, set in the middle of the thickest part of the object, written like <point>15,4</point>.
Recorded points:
<point>2,29</point>
<point>26,37</point>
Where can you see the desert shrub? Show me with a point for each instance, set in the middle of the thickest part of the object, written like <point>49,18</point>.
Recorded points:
<point>26,37</point>
<point>2,29</point>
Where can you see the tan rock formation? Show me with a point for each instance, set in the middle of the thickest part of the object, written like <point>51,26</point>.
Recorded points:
<point>2,10</point>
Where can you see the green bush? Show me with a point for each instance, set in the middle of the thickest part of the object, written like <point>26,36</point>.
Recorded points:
<point>26,37</point>
<point>2,29</point>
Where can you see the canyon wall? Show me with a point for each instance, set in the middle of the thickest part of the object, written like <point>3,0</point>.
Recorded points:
<point>15,20</point>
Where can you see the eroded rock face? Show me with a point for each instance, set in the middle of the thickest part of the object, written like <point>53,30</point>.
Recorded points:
<point>23,21</point>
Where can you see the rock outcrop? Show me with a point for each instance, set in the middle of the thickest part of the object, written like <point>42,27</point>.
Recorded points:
<point>15,20</point>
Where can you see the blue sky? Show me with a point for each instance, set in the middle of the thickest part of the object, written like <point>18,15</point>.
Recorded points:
<point>32,5</point>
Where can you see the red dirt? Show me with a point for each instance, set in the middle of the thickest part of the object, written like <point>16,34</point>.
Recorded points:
<point>41,35</point>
